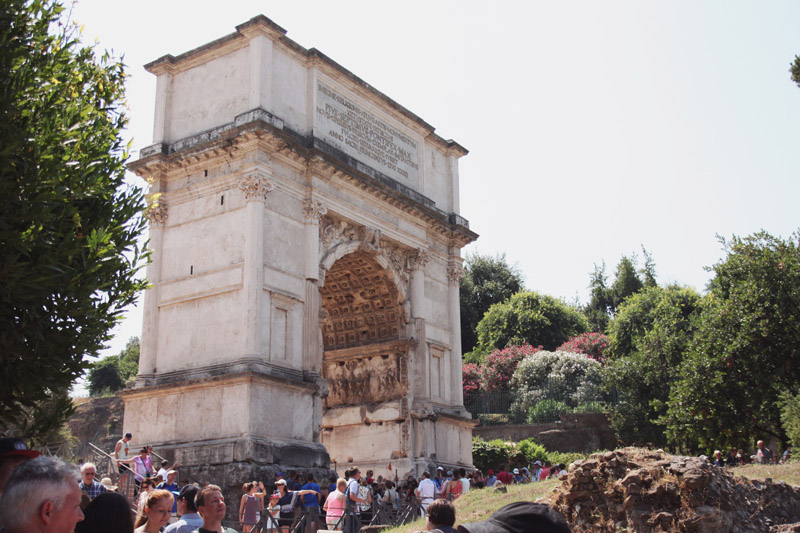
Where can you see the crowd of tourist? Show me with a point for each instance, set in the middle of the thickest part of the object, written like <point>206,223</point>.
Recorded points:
<point>761,455</point>
<point>39,493</point>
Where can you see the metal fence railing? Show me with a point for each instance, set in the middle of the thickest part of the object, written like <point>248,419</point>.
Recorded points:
<point>494,408</point>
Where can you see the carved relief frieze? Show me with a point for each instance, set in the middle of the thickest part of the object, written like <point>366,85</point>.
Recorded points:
<point>367,379</point>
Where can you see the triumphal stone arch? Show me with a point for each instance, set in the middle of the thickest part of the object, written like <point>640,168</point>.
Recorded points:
<point>306,238</point>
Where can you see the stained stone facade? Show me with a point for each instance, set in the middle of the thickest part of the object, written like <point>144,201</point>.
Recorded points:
<point>306,243</point>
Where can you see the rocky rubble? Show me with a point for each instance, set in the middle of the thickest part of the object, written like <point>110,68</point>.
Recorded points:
<point>646,491</point>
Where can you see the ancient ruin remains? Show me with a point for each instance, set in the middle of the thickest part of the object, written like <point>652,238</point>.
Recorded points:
<point>306,241</point>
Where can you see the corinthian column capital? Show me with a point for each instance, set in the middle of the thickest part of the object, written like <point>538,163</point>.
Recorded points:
<point>256,186</point>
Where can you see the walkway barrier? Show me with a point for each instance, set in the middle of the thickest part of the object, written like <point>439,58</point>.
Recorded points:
<point>310,520</point>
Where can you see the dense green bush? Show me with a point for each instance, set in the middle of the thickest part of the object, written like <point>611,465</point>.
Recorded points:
<point>492,454</point>
<point>486,455</point>
<point>546,411</point>
<point>571,378</point>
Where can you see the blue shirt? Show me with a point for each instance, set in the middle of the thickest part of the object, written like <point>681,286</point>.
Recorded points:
<point>175,490</point>
<point>311,500</point>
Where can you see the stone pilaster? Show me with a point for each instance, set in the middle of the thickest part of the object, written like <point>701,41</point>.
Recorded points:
<point>416,263</point>
<point>313,211</point>
<point>157,213</point>
<point>256,186</point>
<point>455,272</point>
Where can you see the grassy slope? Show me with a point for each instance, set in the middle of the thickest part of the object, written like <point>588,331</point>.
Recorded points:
<point>479,504</point>
<point>790,473</point>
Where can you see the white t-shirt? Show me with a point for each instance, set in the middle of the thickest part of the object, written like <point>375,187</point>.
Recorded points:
<point>352,487</point>
<point>163,473</point>
<point>427,489</point>
<point>464,485</point>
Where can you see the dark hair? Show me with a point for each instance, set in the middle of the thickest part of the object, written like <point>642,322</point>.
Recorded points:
<point>247,486</point>
<point>426,474</point>
<point>309,477</point>
<point>441,513</point>
<point>109,511</point>
<point>164,462</point>
<point>188,494</point>
<point>128,436</point>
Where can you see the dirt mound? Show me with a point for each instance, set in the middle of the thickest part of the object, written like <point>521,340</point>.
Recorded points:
<point>649,491</point>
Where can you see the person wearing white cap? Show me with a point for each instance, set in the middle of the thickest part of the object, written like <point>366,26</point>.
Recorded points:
<point>516,478</point>
<point>439,481</point>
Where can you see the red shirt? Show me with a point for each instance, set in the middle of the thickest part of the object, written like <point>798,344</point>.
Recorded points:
<point>505,477</point>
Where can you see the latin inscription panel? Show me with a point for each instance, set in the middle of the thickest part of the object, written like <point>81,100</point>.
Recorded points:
<point>355,131</point>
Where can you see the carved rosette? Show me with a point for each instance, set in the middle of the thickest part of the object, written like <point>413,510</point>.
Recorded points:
<point>256,186</point>
<point>455,272</point>
<point>157,212</point>
<point>313,211</point>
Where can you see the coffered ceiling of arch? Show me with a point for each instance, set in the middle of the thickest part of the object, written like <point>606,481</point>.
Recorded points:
<point>361,304</point>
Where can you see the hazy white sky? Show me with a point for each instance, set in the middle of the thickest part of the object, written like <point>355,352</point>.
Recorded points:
<point>594,127</point>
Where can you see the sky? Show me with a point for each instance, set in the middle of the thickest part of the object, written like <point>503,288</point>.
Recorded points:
<point>594,128</point>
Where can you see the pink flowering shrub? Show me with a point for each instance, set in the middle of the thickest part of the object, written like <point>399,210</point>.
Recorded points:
<point>592,344</point>
<point>471,381</point>
<point>500,365</point>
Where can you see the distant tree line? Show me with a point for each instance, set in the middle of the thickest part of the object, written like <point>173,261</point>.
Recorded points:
<point>687,370</point>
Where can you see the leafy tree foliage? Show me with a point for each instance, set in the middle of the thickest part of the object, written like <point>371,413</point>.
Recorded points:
<point>790,416</point>
<point>795,70</point>
<point>487,281</point>
<point>628,280</point>
<point>747,349</point>
<point>648,339</point>
<point>529,318</point>
<point>111,374</point>
<point>69,226</point>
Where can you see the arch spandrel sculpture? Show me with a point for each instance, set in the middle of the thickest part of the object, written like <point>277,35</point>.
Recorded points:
<point>306,260</point>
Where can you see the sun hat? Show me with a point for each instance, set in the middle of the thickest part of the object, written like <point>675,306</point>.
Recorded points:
<point>281,482</point>
<point>106,481</point>
<point>516,470</point>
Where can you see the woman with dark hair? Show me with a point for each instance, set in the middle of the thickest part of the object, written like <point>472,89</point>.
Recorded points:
<point>108,512</point>
<point>251,505</point>
<point>157,510</point>
<point>289,502</point>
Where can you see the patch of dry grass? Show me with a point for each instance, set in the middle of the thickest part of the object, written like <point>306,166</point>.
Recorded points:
<point>478,505</point>
<point>790,472</point>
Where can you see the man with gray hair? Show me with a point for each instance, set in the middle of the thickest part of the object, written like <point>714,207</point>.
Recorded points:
<point>42,495</point>
<point>89,483</point>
